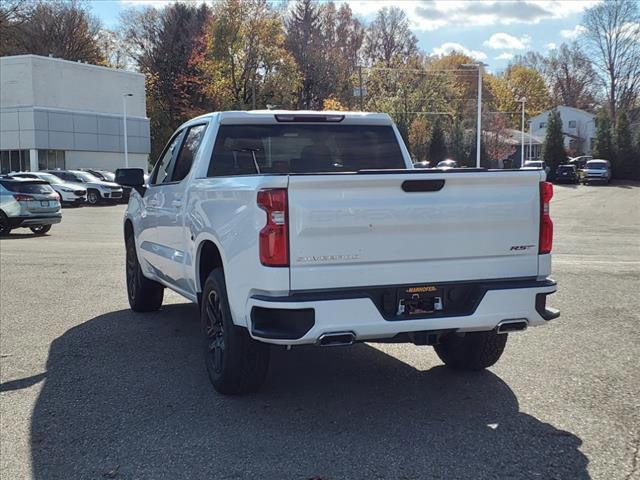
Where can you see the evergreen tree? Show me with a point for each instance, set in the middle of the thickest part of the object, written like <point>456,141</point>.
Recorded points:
<point>622,167</point>
<point>306,42</point>
<point>603,147</point>
<point>457,148</point>
<point>437,145</point>
<point>553,152</point>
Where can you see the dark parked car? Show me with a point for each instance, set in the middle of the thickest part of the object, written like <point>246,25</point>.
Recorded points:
<point>567,174</point>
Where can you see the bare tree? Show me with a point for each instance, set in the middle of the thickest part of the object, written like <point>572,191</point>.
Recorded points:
<point>62,29</point>
<point>612,36</point>
<point>13,15</point>
<point>389,38</point>
<point>573,81</point>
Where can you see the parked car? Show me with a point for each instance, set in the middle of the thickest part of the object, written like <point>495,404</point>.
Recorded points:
<point>538,164</point>
<point>596,170</point>
<point>97,190</point>
<point>243,216</point>
<point>103,175</point>
<point>70,193</point>
<point>448,163</point>
<point>567,174</point>
<point>28,203</point>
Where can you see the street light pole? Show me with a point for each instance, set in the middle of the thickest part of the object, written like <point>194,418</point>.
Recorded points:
<point>523,100</point>
<point>530,152</point>
<point>124,125</point>
<point>479,66</point>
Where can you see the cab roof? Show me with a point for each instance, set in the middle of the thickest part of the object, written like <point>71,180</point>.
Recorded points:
<point>263,117</point>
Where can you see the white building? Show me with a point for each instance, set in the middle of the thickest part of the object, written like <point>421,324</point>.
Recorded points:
<point>60,114</point>
<point>578,126</point>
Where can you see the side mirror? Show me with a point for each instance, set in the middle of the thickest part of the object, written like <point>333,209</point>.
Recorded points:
<point>131,177</point>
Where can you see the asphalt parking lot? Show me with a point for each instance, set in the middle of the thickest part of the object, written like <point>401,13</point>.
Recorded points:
<point>90,390</point>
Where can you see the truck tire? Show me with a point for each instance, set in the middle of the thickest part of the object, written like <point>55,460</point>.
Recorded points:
<point>144,295</point>
<point>5,224</point>
<point>235,362</point>
<point>471,351</point>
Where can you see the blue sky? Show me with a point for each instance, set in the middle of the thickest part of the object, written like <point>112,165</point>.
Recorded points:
<point>491,31</point>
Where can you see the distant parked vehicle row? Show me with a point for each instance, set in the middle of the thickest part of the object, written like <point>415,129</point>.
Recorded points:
<point>28,203</point>
<point>98,191</point>
<point>70,193</point>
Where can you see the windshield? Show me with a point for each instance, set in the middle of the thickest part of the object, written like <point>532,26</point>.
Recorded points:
<point>291,148</point>
<point>48,177</point>
<point>565,169</point>
<point>87,177</point>
<point>597,166</point>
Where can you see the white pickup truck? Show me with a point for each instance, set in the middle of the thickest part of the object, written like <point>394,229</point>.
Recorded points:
<point>294,228</point>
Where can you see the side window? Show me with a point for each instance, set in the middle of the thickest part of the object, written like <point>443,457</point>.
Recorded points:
<point>188,152</point>
<point>162,169</point>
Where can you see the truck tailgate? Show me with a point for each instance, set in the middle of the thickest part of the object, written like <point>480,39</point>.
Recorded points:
<point>365,229</point>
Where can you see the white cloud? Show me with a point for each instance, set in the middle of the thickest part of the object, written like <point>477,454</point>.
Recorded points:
<point>551,46</point>
<point>436,14</point>
<point>505,56</point>
<point>449,47</point>
<point>504,41</point>
<point>573,33</point>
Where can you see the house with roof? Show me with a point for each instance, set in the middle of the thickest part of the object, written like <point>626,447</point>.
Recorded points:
<point>578,127</point>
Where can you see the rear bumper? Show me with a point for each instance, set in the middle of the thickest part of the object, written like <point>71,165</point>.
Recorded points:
<point>302,318</point>
<point>17,222</point>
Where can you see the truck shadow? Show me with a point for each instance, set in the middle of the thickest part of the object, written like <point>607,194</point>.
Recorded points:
<point>126,396</point>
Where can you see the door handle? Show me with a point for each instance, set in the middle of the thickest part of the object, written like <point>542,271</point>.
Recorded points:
<point>176,203</point>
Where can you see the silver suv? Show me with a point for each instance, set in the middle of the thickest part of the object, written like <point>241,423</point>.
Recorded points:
<point>28,203</point>
<point>596,170</point>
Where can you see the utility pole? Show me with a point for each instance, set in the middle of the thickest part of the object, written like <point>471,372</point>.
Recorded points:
<point>253,92</point>
<point>530,152</point>
<point>479,66</point>
<point>124,125</point>
<point>360,91</point>
<point>522,100</point>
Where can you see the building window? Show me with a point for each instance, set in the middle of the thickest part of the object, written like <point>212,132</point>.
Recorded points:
<point>14,161</point>
<point>51,160</point>
<point>543,124</point>
<point>572,124</point>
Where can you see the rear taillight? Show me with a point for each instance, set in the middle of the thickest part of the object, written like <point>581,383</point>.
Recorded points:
<point>274,240</point>
<point>546,225</point>
<point>23,198</point>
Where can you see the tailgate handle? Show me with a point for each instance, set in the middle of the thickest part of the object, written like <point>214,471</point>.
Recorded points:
<point>422,185</point>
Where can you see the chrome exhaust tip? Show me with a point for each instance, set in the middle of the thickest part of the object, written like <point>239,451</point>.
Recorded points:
<point>336,339</point>
<point>516,325</point>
